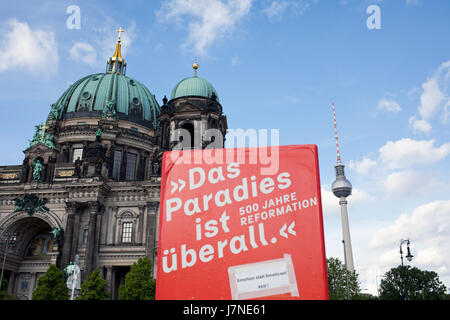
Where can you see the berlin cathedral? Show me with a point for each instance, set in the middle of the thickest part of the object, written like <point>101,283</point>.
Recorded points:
<point>89,185</point>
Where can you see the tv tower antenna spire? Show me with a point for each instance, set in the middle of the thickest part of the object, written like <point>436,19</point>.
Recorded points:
<point>342,188</point>
<point>336,136</point>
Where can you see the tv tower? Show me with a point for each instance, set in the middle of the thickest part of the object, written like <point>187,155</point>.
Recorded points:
<point>342,188</point>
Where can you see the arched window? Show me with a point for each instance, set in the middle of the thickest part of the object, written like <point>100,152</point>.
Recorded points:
<point>127,223</point>
<point>130,173</point>
<point>116,165</point>
<point>191,129</point>
<point>127,232</point>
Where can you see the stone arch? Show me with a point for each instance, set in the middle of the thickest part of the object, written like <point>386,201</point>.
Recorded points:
<point>27,227</point>
<point>127,213</point>
<point>51,218</point>
<point>31,252</point>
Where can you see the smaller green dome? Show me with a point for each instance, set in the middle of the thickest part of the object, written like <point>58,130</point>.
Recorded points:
<point>194,86</point>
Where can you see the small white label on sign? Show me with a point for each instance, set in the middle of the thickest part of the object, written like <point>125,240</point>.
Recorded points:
<point>263,279</point>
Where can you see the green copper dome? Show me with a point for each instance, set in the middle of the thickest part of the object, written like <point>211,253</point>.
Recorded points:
<point>194,86</point>
<point>108,94</point>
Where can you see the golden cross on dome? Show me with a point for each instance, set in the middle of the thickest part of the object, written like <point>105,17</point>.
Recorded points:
<point>119,31</point>
<point>43,128</point>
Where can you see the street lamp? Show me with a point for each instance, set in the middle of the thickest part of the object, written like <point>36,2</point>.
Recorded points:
<point>7,240</point>
<point>409,257</point>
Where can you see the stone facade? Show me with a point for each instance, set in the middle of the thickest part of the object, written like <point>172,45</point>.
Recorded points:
<point>101,181</point>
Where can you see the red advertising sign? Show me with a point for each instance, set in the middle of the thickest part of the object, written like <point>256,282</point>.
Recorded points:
<point>232,228</point>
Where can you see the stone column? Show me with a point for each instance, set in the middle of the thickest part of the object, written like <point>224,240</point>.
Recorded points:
<point>71,208</point>
<point>109,281</point>
<point>33,284</point>
<point>123,168</point>
<point>150,245</point>
<point>11,283</point>
<point>98,231</point>
<point>91,248</point>
<point>140,237</point>
<point>112,225</point>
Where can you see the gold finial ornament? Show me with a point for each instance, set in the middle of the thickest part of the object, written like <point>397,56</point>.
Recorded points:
<point>195,66</point>
<point>116,64</point>
<point>118,54</point>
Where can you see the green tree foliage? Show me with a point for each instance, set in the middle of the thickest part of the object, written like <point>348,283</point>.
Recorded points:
<point>94,288</point>
<point>421,285</point>
<point>3,288</point>
<point>338,275</point>
<point>139,284</point>
<point>51,286</point>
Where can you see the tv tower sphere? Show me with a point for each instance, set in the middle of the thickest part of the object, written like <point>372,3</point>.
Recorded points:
<point>341,187</point>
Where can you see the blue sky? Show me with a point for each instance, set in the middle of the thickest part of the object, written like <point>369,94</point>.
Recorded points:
<point>276,65</point>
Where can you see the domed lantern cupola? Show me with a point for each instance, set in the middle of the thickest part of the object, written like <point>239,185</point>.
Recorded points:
<point>193,116</point>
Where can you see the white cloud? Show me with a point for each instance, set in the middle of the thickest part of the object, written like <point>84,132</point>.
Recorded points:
<point>405,153</point>
<point>28,49</point>
<point>407,182</point>
<point>420,125</point>
<point>425,225</point>
<point>446,113</point>
<point>413,2</point>
<point>362,167</point>
<point>330,204</point>
<point>389,105</point>
<point>427,228</point>
<point>434,99</point>
<point>359,196</point>
<point>208,21</point>
<point>431,98</point>
<point>276,9</point>
<point>84,52</point>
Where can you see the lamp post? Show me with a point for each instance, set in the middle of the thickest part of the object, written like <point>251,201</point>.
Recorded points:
<point>409,257</point>
<point>5,239</point>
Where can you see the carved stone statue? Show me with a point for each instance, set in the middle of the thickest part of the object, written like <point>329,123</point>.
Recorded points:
<point>41,136</point>
<point>155,168</point>
<point>37,169</point>
<point>85,168</point>
<point>36,136</point>
<point>48,141</point>
<point>73,276</point>
<point>58,235</point>
<point>109,110</point>
<point>55,112</point>
<point>30,204</point>
<point>78,164</point>
<point>98,166</point>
